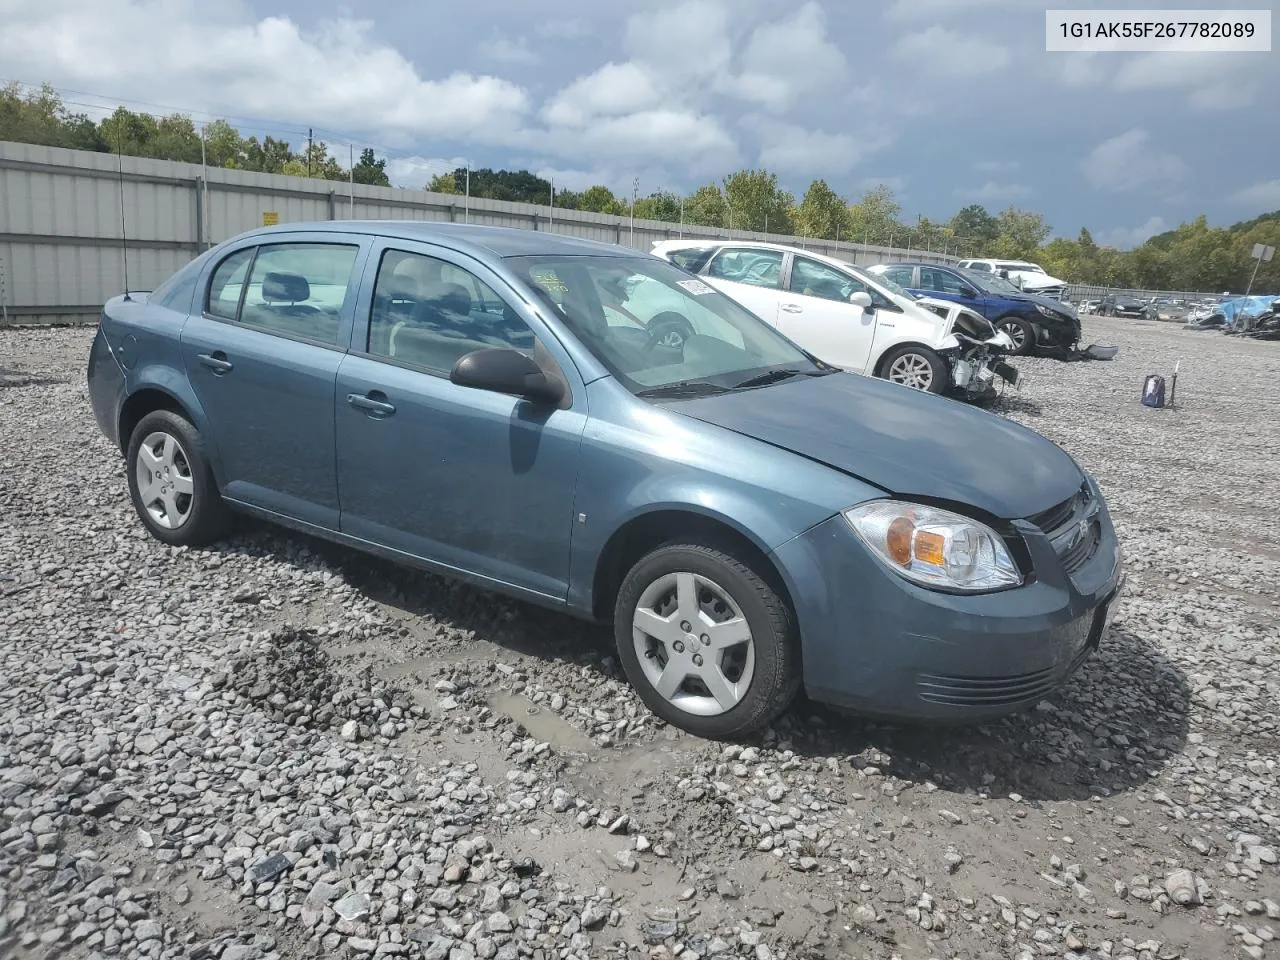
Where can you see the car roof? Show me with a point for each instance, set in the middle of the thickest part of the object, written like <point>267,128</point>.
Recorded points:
<point>919,263</point>
<point>467,237</point>
<point>707,242</point>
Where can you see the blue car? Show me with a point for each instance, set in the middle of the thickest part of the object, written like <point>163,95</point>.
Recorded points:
<point>496,405</point>
<point>1033,323</point>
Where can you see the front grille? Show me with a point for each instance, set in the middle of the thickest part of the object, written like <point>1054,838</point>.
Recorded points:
<point>1056,516</point>
<point>1082,549</point>
<point>986,691</point>
<point>1072,528</point>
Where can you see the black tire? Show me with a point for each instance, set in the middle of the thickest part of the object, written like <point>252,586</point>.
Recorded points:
<point>1021,332</point>
<point>204,517</point>
<point>776,675</point>
<point>939,376</point>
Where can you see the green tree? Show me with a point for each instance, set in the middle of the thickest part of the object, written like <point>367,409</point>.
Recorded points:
<point>974,228</point>
<point>1020,234</point>
<point>659,206</point>
<point>706,207</point>
<point>269,156</point>
<point>757,203</point>
<point>443,183</point>
<point>223,145</point>
<point>370,169</point>
<point>822,213</point>
<point>600,199</point>
<point>874,218</point>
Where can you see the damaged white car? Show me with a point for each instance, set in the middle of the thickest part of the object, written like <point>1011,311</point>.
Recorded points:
<point>840,314</point>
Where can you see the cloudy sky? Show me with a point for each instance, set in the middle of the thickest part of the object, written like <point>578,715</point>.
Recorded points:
<point>948,101</point>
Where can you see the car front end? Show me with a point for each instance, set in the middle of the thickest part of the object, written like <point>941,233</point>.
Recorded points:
<point>933,647</point>
<point>973,349</point>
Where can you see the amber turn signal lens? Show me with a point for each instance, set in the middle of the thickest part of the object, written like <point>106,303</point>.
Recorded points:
<point>929,548</point>
<point>898,540</point>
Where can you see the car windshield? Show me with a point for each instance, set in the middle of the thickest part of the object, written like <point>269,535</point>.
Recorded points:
<point>884,281</point>
<point>989,282</point>
<point>655,327</point>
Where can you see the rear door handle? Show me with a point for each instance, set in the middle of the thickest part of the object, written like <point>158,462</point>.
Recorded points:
<point>793,308</point>
<point>374,403</point>
<point>217,362</point>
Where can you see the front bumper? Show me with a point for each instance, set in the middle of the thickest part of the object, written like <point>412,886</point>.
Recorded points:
<point>877,644</point>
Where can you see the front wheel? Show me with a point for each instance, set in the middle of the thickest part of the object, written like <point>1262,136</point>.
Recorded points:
<point>1021,332</point>
<point>708,644</point>
<point>916,367</point>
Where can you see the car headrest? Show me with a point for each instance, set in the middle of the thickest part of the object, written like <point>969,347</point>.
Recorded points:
<point>285,288</point>
<point>452,297</point>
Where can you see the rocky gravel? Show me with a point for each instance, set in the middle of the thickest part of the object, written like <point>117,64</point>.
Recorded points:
<point>279,748</point>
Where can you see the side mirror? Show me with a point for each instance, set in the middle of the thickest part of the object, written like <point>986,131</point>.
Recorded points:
<point>860,298</point>
<point>503,370</point>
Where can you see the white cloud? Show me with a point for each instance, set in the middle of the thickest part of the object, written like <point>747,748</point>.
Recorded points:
<point>791,149</point>
<point>949,53</point>
<point>786,59</point>
<point>506,50</point>
<point>905,11</point>
<point>993,192</point>
<point>687,41</point>
<point>996,166</point>
<point>223,61</point>
<point>1211,81</point>
<point>1130,161</point>
<point>415,171</point>
<point>1125,238</point>
<point>1084,69</point>
<point>613,90</point>
<point>634,140</point>
<point>1264,195</point>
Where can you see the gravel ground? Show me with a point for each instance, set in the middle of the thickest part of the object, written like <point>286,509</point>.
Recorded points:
<point>278,748</point>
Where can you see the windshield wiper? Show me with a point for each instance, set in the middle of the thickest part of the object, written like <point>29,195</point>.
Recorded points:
<point>774,376</point>
<point>684,388</point>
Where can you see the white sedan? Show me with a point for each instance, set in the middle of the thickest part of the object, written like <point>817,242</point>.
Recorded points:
<point>849,318</point>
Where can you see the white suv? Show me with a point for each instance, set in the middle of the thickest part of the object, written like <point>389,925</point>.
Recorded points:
<point>849,318</point>
<point>1030,277</point>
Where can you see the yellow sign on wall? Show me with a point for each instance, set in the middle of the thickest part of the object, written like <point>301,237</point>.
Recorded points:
<point>270,218</point>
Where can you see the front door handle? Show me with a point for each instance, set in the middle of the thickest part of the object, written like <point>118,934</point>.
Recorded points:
<point>792,308</point>
<point>373,403</point>
<point>217,362</point>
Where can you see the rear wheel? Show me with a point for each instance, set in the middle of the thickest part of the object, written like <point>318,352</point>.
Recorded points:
<point>1021,332</point>
<point>171,484</point>
<point>708,644</point>
<point>915,366</point>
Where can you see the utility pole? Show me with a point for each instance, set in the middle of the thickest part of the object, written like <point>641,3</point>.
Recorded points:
<point>351,181</point>
<point>310,134</point>
<point>466,199</point>
<point>682,216</point>
<point>635,193</point>
<point>204,193</point>
<point>552,215</point>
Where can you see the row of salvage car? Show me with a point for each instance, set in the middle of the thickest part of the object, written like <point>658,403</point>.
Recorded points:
<point>938,328</point>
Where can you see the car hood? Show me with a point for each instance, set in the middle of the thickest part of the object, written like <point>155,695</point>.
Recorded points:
<point>909,443</point>
<point>1057,306</point>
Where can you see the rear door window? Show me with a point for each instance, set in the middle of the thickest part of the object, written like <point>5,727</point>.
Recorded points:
<point>759,268</point>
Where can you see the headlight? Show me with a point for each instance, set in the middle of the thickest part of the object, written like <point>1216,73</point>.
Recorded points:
<point>1046,311</point>
<point>933,547</point>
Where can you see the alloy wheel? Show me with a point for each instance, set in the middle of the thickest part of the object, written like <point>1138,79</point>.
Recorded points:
<point>911,370</point>
<point>693,643</point>
<point>165,485</point>
<point>1016,334</point>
